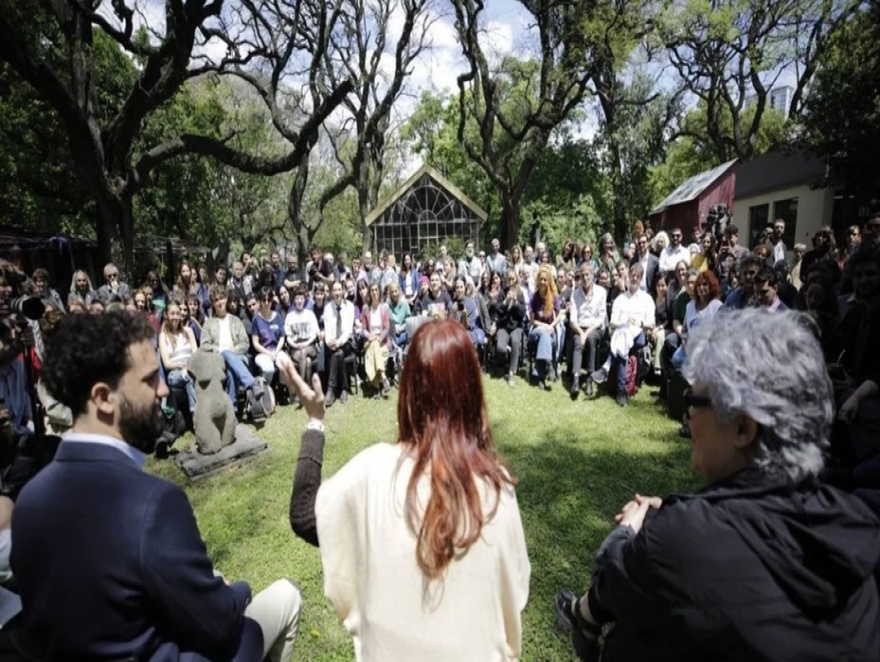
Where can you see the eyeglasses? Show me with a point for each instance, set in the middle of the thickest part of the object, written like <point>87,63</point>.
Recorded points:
<point>112,275</point>
<point>692,401</point>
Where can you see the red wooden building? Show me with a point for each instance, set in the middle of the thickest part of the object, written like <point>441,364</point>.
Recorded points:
<point>688,206</point>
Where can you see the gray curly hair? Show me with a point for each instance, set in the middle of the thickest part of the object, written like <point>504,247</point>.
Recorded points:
<point>770,368</point>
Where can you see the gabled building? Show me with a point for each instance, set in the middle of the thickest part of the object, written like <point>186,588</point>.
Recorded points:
<point>688,205</point>
<point>423,213</point>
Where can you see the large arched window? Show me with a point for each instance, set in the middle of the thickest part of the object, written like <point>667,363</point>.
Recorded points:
<point>422,213</point>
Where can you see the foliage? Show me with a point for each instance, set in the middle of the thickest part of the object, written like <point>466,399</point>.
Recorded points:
<point>432,133</point>
<point>568,196</point>
<point>729,54</point>
<point>633,126</point>
<point>572,478</point>
<point>691,152</point>
<point>518,103</point>
<point>842,121</point>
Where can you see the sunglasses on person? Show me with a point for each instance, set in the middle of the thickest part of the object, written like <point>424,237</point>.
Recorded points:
<point>694,401</point>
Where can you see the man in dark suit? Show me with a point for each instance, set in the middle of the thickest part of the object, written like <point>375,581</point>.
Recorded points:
<point>109,559</point>
<point>649,262</point>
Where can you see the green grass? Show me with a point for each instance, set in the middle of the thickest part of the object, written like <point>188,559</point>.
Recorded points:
<point>577,464</point>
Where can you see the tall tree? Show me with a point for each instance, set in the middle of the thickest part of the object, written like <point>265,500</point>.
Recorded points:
<point>359,52</point>
<point>634,121</point>
<point>280,48</point>
<point>729,54</point>
<point>574,39</point>
<point>842,118</point>
<point>51,46</point>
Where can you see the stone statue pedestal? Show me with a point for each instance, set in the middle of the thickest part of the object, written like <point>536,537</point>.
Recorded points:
<point>197,466</point>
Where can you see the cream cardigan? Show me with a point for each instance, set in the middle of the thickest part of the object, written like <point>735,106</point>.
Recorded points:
<point>373,581</point>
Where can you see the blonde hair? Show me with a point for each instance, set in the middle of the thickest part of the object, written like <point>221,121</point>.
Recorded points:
<point>551,288</point>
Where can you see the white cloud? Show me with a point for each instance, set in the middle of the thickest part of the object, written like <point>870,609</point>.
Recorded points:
<point>497,40</point>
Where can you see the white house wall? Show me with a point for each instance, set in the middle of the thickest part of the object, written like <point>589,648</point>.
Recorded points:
<point>815,207</point>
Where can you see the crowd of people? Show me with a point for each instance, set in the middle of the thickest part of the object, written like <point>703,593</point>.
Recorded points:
<point>783,409</point>
<point>583,316</point>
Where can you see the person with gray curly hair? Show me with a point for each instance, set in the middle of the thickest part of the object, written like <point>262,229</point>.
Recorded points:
<point>765,563</point>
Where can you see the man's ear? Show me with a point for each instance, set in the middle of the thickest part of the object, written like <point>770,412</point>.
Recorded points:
<point>746,432</point>
<point>103,398</point>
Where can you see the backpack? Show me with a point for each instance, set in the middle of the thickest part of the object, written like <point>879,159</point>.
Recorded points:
<point>632,376</point>
<point>259,409</point>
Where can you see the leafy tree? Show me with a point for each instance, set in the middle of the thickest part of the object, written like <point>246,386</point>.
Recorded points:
<point>691,152</point>
<point>358,50</point>
<point>432,133</point>
<point>729,54</point>
<point>54,47</point>
<point>842,119</point>
<point>516,105</point>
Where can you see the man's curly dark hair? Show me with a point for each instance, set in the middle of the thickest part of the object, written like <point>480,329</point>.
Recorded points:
<point>87,349</point>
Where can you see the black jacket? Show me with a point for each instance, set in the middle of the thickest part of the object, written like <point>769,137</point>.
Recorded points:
<point>747,569</point>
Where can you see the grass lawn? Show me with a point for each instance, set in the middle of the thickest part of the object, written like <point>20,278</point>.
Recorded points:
<point>577,464</point>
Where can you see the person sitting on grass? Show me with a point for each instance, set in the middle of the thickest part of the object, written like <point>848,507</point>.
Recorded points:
<point>225,334</point>
<point>765,562</point>
<point>108,558</point>
<point>421,542</point>
<point>631,317</point>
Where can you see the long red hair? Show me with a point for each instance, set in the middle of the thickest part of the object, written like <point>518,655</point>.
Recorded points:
<point>442,418</point>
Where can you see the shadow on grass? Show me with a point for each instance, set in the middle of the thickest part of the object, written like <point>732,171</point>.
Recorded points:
<point>570,487</point>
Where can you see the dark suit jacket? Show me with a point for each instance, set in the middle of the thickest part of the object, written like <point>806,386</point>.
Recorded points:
<point>651,271</point>
<point>110,565</point>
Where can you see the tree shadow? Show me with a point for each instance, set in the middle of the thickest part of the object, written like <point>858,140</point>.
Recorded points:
<point>571,485</point>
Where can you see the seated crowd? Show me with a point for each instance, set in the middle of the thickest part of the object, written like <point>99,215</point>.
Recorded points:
<point>768,561</point>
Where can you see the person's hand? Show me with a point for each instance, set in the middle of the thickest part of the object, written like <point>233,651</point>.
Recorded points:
<point>311,397</point>
<point>633,513</point>
<point>850,409</point>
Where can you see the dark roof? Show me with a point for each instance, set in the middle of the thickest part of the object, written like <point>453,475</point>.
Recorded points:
<point>691,188</point>
<point>778,170</point>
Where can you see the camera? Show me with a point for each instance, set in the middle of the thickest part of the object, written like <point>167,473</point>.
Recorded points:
<point>30,307</point>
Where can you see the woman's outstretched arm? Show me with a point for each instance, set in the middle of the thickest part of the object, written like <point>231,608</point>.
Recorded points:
<point>307,477</point>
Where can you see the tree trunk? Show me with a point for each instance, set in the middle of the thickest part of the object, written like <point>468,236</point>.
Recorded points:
<point>364,209</point>
<point>509,223</point>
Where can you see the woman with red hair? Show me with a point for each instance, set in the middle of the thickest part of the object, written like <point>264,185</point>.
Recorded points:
<point>706,303</point>
<point>421,541</point>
